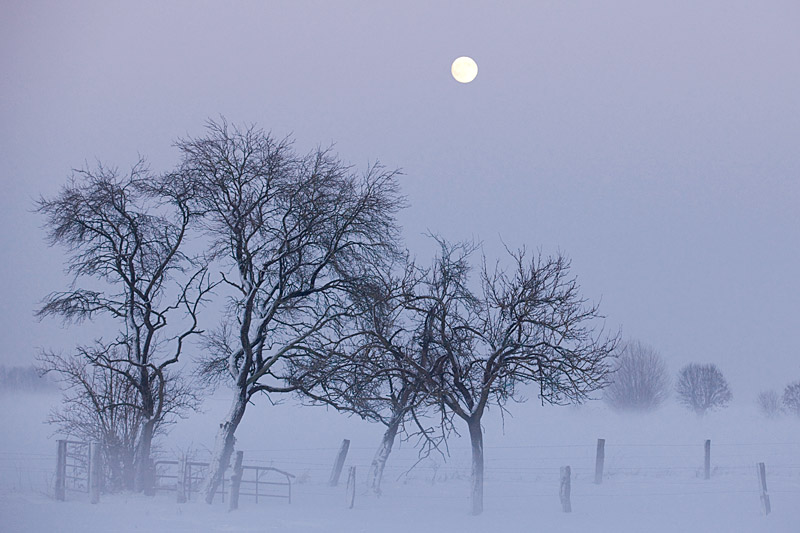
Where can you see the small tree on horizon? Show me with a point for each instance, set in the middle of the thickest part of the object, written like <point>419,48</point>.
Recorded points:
<point>24,379</point>
<point>702,388</point>
<point>791,398</point>
<point>640,381</point>
<point>769,403</point>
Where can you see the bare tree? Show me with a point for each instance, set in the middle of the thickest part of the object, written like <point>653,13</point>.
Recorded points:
<point>791,398</point>
<point>640,381</point>
<point>769,403</point>
<point>702,388</point>
<point>367,371</point>
<point>125,238</point>
<point>102,405</point>
<point>294,233</point>
<point>527,324</point>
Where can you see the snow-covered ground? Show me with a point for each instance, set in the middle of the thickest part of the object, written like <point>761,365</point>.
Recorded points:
<point>653,474</point>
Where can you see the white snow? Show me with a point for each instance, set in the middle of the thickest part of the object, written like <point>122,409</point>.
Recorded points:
<point>653,477</point>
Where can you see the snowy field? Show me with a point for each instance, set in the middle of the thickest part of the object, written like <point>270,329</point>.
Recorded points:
<point>653,477</point>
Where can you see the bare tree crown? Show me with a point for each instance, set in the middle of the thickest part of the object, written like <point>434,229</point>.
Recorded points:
<point>525,323</point>
<point>640,381</point>
<point>791,398</point>
<point>702,388</point>
<point>292,233</point>
<point>125,235</point>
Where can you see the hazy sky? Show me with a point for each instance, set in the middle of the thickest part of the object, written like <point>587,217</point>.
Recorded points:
<point>658,147</point>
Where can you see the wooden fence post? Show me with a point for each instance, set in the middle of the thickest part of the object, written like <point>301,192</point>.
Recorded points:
<point>95,472</point>
<point>339,463</point>
<point>180,482</point>
<point>351,487</point>
<point>61,471</point>
<point>565,489</point>
<point>236,481</point>
<point>600,461</point>
<point>762,485</point>
<point>707,462</point>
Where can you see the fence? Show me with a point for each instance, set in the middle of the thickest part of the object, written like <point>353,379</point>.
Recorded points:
<point>168,474</point>
<point>261,478</point>
<point>257,481</point>
<point>624,469</point>
<point>72,467</point>
<point>78,468</point>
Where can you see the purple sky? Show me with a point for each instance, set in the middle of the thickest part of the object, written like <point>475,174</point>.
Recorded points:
<point>658,147</point>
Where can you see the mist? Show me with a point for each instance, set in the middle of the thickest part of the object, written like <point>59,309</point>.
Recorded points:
<point>655,147</point>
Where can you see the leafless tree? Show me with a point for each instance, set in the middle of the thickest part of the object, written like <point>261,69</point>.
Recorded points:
<point>294,233</point>
<point>527,324</point>
<point>769,403</point>
<point>125,236</point>
<point>640,381</point>
<point>702,388</point>
<point>791,398</point>
<point>102,405</point>
<point>367,371</point>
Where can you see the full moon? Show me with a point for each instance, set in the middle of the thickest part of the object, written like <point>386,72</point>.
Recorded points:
<point>464,69</point>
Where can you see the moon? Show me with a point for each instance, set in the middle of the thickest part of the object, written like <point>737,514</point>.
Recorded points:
<point>464,69</point>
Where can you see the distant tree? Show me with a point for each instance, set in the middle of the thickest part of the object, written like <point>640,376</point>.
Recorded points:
<point>293,233</point>
<point>791,398</point>
<point>702,388</point>
<point>24,379</point>
<point>125,238</point>
<point>769,403</point>
<point>640,381</point>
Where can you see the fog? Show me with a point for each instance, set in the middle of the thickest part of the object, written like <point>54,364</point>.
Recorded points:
<point>655,146</point>
<point>653,474</point>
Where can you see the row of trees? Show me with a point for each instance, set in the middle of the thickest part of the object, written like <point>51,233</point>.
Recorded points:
<point>23,378</point>
<point>641,382</point>
<point>771,404</point>
<point>321,301</point>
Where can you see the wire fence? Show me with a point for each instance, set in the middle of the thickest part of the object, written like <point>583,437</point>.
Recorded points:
<point>519,462</point>
<point>631,469</point>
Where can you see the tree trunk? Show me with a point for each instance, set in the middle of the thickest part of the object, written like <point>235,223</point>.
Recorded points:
<point>223,447</point>
<point>142,457</point>
<point>476,439</point>
<point>141,460</point>
<point>128,467</point>
<point>120,464</point>
<point>382,455</point>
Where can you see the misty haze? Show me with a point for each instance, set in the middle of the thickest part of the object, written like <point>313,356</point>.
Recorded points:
<point>359,266</point>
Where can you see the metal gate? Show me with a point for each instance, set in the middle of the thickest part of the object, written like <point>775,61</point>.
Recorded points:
<point>72,467</point>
